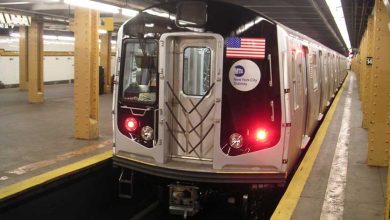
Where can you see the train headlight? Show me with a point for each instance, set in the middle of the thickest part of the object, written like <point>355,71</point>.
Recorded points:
<point>147,133</point>
<point>236,140</point>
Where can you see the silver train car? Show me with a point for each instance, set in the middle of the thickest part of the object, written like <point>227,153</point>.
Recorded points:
<point>211,92</point>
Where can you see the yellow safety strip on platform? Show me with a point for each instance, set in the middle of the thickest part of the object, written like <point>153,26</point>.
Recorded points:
<point>51,175</point>
<point>289,201</point>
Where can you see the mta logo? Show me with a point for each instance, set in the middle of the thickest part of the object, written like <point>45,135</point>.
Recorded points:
<point>240,71</point>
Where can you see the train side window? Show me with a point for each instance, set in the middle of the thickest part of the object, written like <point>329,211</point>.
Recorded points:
<point>294,81</point>
<point>196,70</point>
<point>313,69</point>
<point>325,68</point>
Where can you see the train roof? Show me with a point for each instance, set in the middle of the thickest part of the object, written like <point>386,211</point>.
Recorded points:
<point>246,16</point>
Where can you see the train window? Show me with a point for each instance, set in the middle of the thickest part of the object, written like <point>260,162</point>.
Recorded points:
<point>325,68</point>
<point>196,70</point>
<point>139,71</point>
<point>313,68</point>
<point>294,81</point>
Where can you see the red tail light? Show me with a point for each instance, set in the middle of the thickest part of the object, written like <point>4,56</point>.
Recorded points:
<point>131,124</point>
<point>261,135</point>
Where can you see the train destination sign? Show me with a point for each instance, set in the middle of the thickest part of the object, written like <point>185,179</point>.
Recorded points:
<point>8,20</point>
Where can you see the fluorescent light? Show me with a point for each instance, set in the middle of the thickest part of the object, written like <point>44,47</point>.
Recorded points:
<point>149,25</point>
<point>15,3</point>
<point>101,31</point>
<point>129,12</point>
<point>336,9</point>
<point>93,5</point>
<point>15,35</point>
<point>160,13</point>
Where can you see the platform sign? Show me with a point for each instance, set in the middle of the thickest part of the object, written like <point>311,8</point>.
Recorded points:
<point>107,24</point>
<point>8,20</point>
<point>369,61</point>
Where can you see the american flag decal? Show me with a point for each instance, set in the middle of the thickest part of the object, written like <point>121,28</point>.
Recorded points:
<point>253,48</point>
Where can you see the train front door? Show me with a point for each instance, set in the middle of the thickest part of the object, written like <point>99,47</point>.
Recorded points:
<point>192,88</point>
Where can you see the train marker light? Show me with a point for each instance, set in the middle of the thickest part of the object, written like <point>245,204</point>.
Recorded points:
<point>261,135</point>
<point>131,124</point>
<point>236,140</point>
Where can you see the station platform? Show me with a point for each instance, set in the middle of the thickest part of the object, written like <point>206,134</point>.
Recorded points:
<point>38,138</point>
<point>334,181</point>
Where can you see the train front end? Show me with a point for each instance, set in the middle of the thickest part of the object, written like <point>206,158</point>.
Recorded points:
<point>198,96</point>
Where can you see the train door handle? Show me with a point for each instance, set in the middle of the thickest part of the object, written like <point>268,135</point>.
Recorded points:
<point>272,111</point>
<point>270,70</point>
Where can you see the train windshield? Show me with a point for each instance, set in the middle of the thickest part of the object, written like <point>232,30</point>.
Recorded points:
<point>139,82</point>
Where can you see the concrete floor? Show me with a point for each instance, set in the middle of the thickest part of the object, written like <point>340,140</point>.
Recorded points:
<point>365,190</point>
<point>35,138</point>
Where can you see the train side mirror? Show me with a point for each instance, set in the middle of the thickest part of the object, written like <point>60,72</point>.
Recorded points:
<point>191,14</point>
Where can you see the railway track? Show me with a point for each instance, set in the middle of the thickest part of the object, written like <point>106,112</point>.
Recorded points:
<point>92,193</point>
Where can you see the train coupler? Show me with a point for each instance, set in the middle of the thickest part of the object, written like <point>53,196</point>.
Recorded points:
<point>183,200</point>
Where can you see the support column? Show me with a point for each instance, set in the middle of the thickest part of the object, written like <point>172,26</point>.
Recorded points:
<point>86,87</point>
<point>105,60</point>
<point>35,62</point>
<point>379,129</point>
<point>23,58</point>
<point>368,73</point>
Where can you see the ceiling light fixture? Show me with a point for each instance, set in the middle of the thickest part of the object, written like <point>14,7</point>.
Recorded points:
<point>93,5</point>
<point>15,3</point>
<point>129,12</point>
<point>336,9</point>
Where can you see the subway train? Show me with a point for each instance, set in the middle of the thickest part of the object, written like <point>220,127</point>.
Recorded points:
<point>209,92</point>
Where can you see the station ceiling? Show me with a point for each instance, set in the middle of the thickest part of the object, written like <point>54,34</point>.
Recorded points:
<point>310,17</point>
